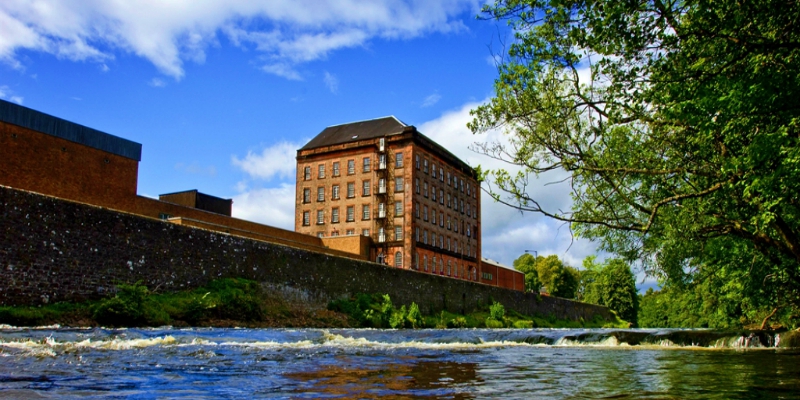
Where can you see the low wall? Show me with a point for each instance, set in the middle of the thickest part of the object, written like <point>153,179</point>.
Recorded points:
<point>56,250</point>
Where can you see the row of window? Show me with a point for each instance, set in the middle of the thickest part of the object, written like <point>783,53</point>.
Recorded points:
<point>365,213</point>
<point>444,243</point>
<point>349,232</point>
<point>366,166</point>
<point>465,208</point>
<point>452,179</point>
<point>366,190</point>
<point>466,229</point>
<point>452,268</point>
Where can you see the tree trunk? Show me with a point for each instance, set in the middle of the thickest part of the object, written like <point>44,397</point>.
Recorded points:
<point>764,324</point>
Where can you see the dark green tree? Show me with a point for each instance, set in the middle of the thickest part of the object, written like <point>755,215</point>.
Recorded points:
<point>550,272</point>
<point>681,139</point>
<point>612,285</point>
<point>526,264</point>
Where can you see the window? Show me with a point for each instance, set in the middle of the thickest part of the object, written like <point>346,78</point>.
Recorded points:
<point>425,189</point>
<point>455,227</point>
<point>448,243</point>
<point>433,171</point>
<point>416,260</point>
<point>425,262</point>
<point>441,196</point>
<point>320,194</point>
<point>306,195</point>
<point>382,161</point>
<point>433,265</point>
<point>441,241</point>
<point>382,185</point>
<point>461,184</point>
<point>425,236</point>
<point>398,259</point>
<point>398,160</point>
<point>468,190</point>
<point>449,179</point>
<point>365,188</point>
<point>351,190</point>
<point>321,234</point>
<point>351,167</point>
<point>449,201</point>
<point>306,218</point>
<point>469,231</point>
<point>335,215</point>
<point>433,217</point>
<point>469,210</point>
<point>365,212</point>
<point>425,165</point>
<point>416,210</point>
<point>448,268</point>
<point>335,191</point>
<point>462,206</point>
<point>424,213</point>
<point>365,232</point>
<point>416,234</point>
<point>335,168</point>
<point>320,217</point>
<point>398,208</point>
<point>398,233</point>
<point>350,232</point>
<point>416,160</point>
<point>398,184</point>
<point>321,173</point>
<point>448,222</point>
<point>441,219</point>
<point>416,185</point>
<point>433,193</point>
<point>351,210</point>
<point>441,174</point>
<point>367,164</point>
<point>307,173</point>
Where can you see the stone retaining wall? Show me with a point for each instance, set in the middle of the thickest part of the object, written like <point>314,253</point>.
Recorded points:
<point>55,250</point>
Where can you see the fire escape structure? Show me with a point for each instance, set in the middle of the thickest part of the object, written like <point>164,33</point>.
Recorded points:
<point>383,219</point>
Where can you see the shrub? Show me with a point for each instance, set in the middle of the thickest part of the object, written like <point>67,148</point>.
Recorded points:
<point>130,307</point>
<point>398,318</point>
<point>493,323</point>
<point>523,324</point>
<point>497,311</point>
<point>414,317</point>
<point>457,322</point>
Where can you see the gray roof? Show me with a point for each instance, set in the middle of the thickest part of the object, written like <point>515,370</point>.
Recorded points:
<point>38,121</point>
<point>356,131</point>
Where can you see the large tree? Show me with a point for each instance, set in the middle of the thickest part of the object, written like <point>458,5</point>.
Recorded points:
<point>559,279</point>
<point>677,123</point>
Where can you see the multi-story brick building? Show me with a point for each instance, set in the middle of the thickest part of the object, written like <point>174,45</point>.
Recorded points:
<point>384,179</point>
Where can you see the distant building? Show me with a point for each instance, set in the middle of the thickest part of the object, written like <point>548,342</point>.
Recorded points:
<point>385,180</point>
<point>496,274</point>
<point>202,201</point>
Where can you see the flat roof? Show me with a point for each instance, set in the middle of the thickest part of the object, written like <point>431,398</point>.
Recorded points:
<point>497,264</point>
<point>38,121</point>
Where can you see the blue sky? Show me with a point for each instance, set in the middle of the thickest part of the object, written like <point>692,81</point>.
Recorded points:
<point>221,93</point>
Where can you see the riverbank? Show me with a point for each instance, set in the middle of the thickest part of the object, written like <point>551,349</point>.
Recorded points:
<point>246,303</point>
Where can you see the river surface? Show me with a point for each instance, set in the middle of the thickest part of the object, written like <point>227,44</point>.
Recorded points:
<point>363,363</point>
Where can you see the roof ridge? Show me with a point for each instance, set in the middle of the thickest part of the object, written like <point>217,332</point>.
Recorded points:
<point>371,119</point>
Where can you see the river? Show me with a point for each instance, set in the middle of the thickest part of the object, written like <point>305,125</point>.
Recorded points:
<point>52,362</point>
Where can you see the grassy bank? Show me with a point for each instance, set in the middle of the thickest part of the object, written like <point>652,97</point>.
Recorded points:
<point>377,311</point>
<point>244,303</point>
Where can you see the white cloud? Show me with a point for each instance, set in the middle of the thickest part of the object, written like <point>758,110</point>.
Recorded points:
<point>270,206</point>
<point>431,100</point>
<point>507,233</point>
<point>331,82</point>
<point>157,82</point>
<point>7,94</point>
<point>168,33</point>
<point>276,160</point>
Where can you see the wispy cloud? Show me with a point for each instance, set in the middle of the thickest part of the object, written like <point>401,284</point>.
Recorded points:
<point>431,100</point>
<point>7,94</point>
<point>277,160</point>
<point>157,82</point>
<point>169,33</point>
<point>331,82</point>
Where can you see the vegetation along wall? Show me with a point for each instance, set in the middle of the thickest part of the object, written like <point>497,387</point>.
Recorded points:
<point>55,250</point>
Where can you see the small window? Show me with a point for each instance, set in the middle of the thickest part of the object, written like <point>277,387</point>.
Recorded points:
<point>441,219</point>
<point>441,196</point>
<point>398,233</point>
<point>365,185</point>
<point>351,167</point>
<point>336,168</point>
<point>424,213</point>
<point>416,210</point>
<point>416,185</point>
<point>307,173</point>
<point>433,193</point>
<point>441,174</point>
<point>321,171</point>
<point>433,265</point>
<point>416,234</point>
<point>425,262</point>
<point>398,184</point>
<point>321,194</point>
<point>433,171</point>
<point>320,217</point>
<point>425,165</point>
<point>335,192</point>
<point>416,161</point>
<point>306,195</point>
<point>335,215</point>
<point>398,208</point>
<point>350,232</point>
<point>365,212</point>
<point>425,189</point>
<point>351,213</point>
<point>398,259</point>
<point>365,232</point>
<point>433,217</point>
<point>398,160</point>
<point>306,218</point>
<point>351,190</point>
<point>425,236</point>
<point>367,164</point>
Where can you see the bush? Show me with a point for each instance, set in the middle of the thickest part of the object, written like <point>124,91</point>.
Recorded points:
<point>457,322</point>
<point>130,307</point>
<point>493,323</point>
<point>414,317</point>
<point>398,318</point>
<point>497,311</point>
<point>523,324</point>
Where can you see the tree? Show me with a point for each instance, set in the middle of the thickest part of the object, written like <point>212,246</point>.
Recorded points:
<point>526,264</point>
<point>682,146</point>
<point>612,285</point>
<point>550,272</point>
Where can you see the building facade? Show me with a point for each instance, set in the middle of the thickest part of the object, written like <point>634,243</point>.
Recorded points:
<point>385,180</point>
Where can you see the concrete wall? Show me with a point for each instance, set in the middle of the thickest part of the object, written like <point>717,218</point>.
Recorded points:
<point>56,250</point>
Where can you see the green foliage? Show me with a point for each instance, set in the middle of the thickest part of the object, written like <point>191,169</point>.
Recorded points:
<point>493,323</point>
<point>414,317</point>
<point>681,143</point>
<point>526,264</point>
<point>497,311</point>
<point>457,322</point>
<point>131,306</point>
<point>524,324</point>
<point>613,285</point>
<point>550,272</point>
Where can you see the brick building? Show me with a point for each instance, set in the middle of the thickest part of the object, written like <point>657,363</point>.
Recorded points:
<point>385,180</point>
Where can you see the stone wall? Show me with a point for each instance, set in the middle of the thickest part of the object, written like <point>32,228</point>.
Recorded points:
<point>55,250</point>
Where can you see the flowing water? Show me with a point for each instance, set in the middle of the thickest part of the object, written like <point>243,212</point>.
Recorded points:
<point>53,362</point>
